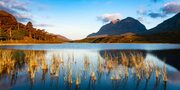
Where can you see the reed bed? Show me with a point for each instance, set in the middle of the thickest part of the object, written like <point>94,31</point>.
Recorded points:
<point>7,63</point>
<point>118,67</point>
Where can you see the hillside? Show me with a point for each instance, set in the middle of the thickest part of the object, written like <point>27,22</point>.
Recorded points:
<point>11,30</point>
<point>171,24</point>
<point>165,37</point>
<point>127,25</point>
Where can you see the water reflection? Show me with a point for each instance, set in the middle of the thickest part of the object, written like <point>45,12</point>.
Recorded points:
<point>105,69</point>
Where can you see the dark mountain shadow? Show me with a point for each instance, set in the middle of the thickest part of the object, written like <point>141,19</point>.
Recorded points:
<point>116,54</point>
<point>171,57</point>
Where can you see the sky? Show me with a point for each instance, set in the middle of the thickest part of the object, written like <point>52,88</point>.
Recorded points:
<point>75,19</point>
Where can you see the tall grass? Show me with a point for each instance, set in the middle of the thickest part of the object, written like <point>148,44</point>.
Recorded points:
<point>7,63</point>
<point>118,67</point>
<point>55,66</point>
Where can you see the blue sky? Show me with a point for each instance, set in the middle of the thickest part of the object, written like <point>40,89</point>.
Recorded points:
<point>75,19</point>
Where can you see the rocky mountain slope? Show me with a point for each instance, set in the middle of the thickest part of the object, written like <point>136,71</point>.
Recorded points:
<point>127,25</point>
<point>11,29</point>
<point>171,24</point>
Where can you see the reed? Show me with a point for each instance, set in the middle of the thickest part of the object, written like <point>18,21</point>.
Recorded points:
<point>86,62</point>
<point>146,71</point>
<point>69,74</point>
<point>32,63</point>
<point>62,61</point>
<point>32,73</point>
<point>115,76</point>
<point>125,62</point>
<point>78,80</point>
<point>150,68</point>
<point>126,71</point>
<point>32,60</point>
<point>120,74</point>
<point>55,66</point>
<point>157,72</point>
<point>44,66</point>
<point>106,56</point>
<point>112,77</point>
<point>100,67</point>
<point>42,59</point>
<point>109,64</point>
<point>93,75</point>
<point>164,73</point>
<point>7,63</point>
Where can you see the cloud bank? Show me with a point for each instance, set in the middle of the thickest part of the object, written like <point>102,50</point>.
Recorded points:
<point>14,7</point>
<point>171,8</point>
<point>43,25</point>
<point>109,17</point>
<point>167,9</point>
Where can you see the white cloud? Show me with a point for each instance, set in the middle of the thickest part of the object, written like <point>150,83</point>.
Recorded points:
<point>20,9</point>
<point>167,9</point>
<point>109,17</point>
<point>43,25</point>
<point>22,6</point>
<point>171,8</point>
<point>141,11</point>
<point>2,3</point>
<point>15,7</point>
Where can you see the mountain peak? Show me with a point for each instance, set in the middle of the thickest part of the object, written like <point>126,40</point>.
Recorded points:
<point>129,19</point>
<point>127,25</point>
<point>4,13</point>
<point>7,20</point>
<point>29,25</point>
<point>115,21</point>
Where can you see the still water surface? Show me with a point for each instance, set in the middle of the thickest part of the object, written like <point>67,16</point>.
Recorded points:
<point>89,66</point>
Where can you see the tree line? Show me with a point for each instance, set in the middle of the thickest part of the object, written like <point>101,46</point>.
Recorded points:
<point>26,32</point>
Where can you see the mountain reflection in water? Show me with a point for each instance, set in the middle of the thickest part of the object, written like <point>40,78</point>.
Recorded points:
<point>104,69</point>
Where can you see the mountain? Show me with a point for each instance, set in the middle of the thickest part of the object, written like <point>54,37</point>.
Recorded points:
<point>166,32</point>
<point>127,25</point>
<point>7,20</point>
<point>171,24</point>
<point>11,29</point>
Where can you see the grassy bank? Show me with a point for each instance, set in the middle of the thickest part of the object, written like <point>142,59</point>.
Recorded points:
<point>23,42</point>
<point>166,37</point>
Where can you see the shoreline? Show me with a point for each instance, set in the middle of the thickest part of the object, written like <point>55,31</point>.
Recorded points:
<point>44,43</point>
<point>28,43</point>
